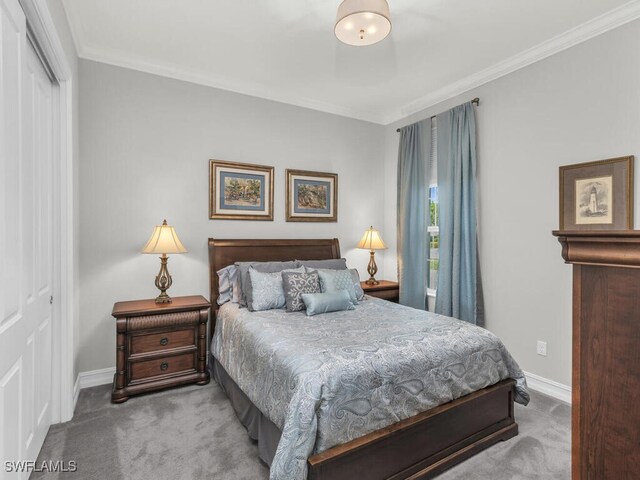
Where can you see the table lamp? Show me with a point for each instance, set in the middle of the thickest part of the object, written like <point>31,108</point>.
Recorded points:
<point>164,240</point>
<point>372,241</point>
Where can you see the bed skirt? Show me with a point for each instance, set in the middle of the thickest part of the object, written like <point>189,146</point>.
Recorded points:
<point>258,426</point>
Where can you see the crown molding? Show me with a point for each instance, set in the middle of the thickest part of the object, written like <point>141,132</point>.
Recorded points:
<point>597,26</point>
<point>588,30</point>
<point>120,59</point>
<point>75,26</point>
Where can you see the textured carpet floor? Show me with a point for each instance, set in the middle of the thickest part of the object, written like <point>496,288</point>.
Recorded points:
<point>193,433</point>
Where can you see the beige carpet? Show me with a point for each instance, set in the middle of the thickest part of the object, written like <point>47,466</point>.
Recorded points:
<point>193,433</point>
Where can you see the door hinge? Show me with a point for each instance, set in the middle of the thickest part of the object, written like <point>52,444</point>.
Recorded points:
<point>51,300</point>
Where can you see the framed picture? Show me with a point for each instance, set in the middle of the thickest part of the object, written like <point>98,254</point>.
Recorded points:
<point>240,191</point>
<point>597,195</point>
<point>312,196</point>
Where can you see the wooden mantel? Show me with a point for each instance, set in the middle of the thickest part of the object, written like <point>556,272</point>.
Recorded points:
<point>605,431</point>
<point>618,248</point>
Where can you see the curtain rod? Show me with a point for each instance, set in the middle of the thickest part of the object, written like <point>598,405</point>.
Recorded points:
<point>475,100</point>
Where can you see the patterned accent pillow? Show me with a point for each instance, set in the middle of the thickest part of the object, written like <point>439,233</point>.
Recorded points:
<point>332,281</point>
<point>295,284</point>
<point>267,290</point>
<point>355,276</point>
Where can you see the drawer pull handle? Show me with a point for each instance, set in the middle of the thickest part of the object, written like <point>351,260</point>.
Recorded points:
<point>164,366</point>
<point>164,341</point>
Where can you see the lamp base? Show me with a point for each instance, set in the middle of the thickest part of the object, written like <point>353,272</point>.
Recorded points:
<point>163,281</point>
<point>163,298</point>
<point>372,269</point>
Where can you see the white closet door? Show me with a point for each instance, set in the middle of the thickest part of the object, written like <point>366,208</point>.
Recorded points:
<point>26,129</point>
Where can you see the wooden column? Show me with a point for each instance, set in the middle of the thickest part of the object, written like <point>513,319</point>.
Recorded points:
<point>606,353</point>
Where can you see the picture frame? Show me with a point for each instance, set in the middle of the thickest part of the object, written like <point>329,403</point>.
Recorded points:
<point>311,196</point>
<point>240,191</point>
<point>597,195</point>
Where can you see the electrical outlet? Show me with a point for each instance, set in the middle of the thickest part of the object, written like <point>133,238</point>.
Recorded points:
<point>541,348</point>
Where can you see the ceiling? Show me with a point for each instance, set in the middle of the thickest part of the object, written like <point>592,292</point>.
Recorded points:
<point>285,50</point>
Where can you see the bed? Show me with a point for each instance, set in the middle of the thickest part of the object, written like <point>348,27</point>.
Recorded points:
<point>325,406</point>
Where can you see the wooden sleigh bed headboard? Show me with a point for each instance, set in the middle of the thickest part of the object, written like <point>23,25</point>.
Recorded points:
<point>223,253</point>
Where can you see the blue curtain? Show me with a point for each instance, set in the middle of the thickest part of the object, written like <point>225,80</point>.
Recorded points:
<point>413,188</point>
<point>458,285</point>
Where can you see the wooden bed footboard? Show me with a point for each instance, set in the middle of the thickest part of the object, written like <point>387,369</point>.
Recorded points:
<point>424,445</point>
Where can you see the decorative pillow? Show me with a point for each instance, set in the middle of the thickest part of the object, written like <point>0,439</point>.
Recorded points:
<point>295,284</point>
<point>331,264</point>
<point>267,291</point>
<point>228,285</point>
<point>234,280</point>
<point>225,287</point>
<point>332,281</point>
<point>355,276</point>
<point>359,292</point>
<point>265,267</point>
<point>327,302</point>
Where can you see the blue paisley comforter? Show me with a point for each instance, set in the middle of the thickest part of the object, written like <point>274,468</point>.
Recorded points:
<point>328,379</point>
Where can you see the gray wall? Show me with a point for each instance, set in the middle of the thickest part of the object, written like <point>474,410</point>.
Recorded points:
<point>580,105</point>
<point>146,142</point>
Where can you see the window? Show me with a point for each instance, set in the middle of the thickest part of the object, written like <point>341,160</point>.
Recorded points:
<point>434,239</point>
<point>433,229</point>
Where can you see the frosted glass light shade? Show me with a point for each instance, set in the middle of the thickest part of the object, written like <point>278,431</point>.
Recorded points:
<point>164,240</point>
<point>372,240</point>
<point>362,22</point>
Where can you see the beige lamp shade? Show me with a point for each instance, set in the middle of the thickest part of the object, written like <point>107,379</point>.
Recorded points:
<point>164,240</point>
<point>371,240</point>
<point>362,22</point>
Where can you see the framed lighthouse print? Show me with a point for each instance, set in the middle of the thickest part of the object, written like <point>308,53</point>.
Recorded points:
<point>597,195</point>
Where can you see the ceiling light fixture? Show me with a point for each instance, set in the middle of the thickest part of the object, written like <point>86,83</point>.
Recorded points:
<point>363,22</point>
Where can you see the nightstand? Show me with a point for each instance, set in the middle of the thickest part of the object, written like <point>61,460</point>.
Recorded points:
<point>160,345</point>
<point>385,290</point>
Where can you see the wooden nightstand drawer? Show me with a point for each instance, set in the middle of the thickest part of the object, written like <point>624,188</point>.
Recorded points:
<point>153,342</point>
<point>148,369</point>
<point>391,295</point>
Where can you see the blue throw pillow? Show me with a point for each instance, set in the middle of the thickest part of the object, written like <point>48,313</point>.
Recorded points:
<point>327,302</point>
<point>332,281</point>
<point>355,276</point>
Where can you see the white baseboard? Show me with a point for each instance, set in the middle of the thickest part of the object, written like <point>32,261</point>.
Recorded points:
<point>549,387</point>
<point>94,378</point>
